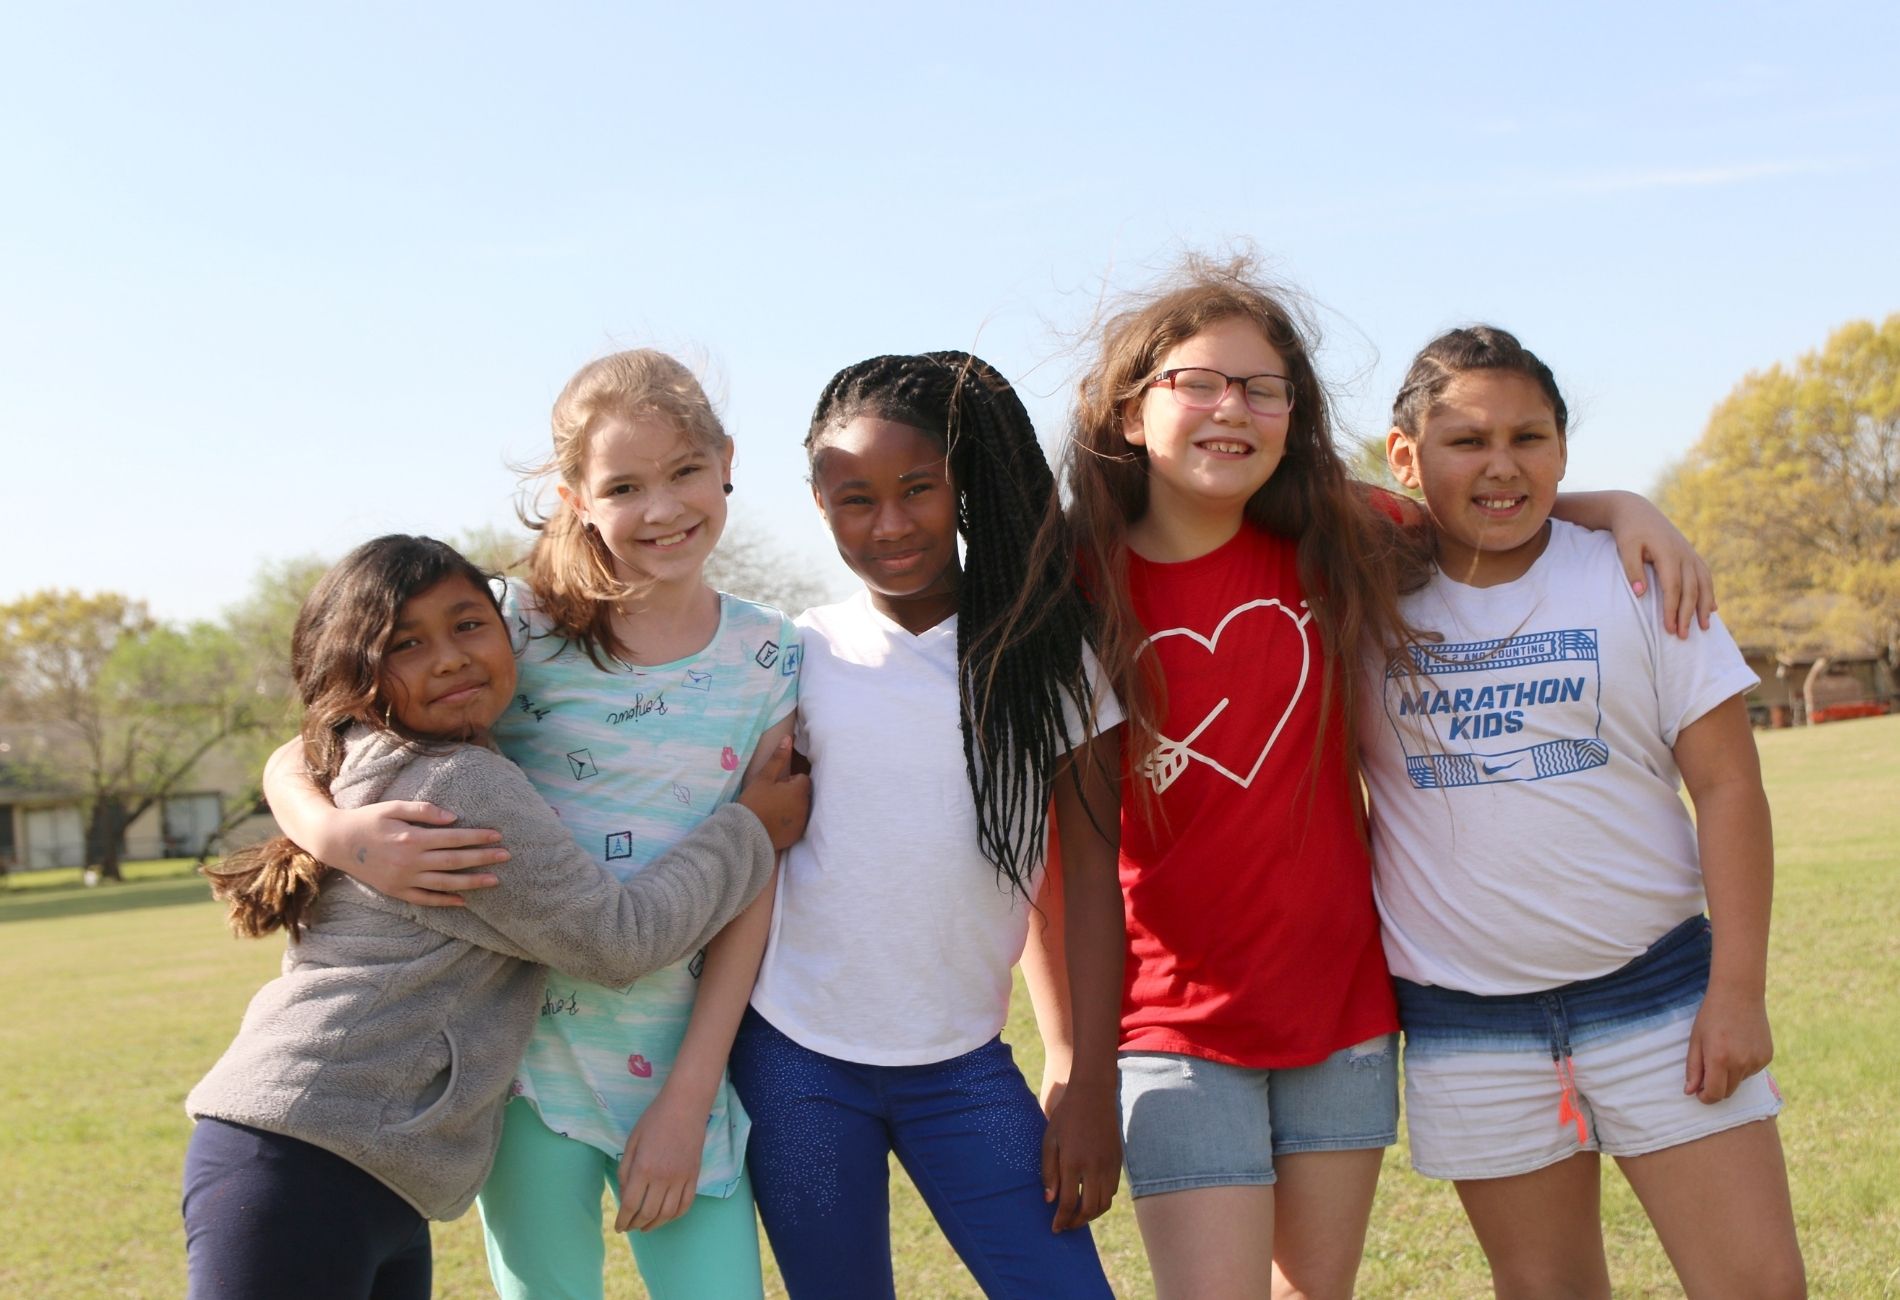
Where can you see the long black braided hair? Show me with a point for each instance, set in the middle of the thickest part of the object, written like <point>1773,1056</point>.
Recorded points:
<point>1022,622</point>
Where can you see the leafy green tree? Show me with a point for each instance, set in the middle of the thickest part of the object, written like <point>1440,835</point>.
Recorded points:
<point>54,650</point>
<point>127,706</point>
<point>1793,493</point>
<point>495,548</point>
<point>748,563</point>
<point>1366,462</point>
<point>260,625</point>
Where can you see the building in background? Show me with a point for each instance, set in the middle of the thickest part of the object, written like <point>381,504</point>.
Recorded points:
<point>1809,686</point>
<point>44,822</point>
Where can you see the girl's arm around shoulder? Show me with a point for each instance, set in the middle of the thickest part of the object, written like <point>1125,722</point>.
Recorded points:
<point>1735,839</point>
<point>1404,511</point>
<point>558,906</point>
<point>405,849</point>
<point>1644,535</point>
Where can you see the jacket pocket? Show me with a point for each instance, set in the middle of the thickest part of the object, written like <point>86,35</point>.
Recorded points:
<point>435,1094</point>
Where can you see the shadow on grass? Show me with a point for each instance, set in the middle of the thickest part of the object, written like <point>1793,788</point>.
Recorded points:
<point>44,905</point>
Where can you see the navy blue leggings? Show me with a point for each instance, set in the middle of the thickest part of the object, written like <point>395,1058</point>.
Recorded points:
<point>269,1216</point>
<point>969,1134</point>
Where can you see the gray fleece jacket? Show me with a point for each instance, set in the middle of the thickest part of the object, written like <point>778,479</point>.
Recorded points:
<point>394,1032</point>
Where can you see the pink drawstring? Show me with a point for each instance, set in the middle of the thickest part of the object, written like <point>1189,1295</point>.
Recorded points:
<point>1568,1112</point>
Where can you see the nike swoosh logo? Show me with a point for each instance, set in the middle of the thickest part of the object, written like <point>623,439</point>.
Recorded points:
<point>1501,767</point>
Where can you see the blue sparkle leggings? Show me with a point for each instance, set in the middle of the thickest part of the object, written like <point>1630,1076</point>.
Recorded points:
<point>969,1133</point>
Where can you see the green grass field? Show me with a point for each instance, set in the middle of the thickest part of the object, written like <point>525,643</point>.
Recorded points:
<point>119,997</point>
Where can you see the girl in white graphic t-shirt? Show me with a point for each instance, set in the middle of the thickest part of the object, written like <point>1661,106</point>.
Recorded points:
<point>1541,886</point>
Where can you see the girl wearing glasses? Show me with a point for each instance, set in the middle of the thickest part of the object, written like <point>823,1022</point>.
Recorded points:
<point>1236,567</point>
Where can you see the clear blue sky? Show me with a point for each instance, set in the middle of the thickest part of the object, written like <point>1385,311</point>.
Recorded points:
<point>276,278</point>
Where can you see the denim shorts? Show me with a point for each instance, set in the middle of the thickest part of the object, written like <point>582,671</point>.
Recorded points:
<point>1498,1086</point>
<point>1188,1122</point>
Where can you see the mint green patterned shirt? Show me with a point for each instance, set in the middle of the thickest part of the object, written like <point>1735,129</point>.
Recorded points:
<point>632,758</point>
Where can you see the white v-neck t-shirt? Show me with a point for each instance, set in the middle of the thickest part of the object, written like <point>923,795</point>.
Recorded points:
<point>892,936</point>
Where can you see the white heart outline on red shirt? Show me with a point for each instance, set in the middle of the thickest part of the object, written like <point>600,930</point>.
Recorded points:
<point>1170,758</point>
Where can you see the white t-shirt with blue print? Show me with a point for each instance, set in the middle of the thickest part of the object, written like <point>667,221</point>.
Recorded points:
<point>632,758</point>
<point>1527,824</point>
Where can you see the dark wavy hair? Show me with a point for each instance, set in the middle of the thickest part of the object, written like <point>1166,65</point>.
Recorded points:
<point>336,659</point>
<point>1471,347</point>
<point>1022,622</point>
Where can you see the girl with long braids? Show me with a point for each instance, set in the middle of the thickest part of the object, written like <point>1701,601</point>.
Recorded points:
<point>941,709</point>
<point>1237,567</point>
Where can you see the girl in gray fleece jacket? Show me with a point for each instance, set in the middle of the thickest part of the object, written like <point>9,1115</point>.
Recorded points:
<point>363,1094</point>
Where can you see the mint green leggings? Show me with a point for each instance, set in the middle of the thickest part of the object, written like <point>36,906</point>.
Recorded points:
<point>541,1216</point>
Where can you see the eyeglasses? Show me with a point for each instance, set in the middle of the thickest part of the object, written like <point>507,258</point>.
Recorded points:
<point>1199,389</point>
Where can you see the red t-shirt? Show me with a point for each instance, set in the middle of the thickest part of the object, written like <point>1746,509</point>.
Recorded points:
<point>1252,934</point>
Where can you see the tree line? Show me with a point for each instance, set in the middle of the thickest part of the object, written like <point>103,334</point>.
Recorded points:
<point>113,710</point>
<point>1793,495</point>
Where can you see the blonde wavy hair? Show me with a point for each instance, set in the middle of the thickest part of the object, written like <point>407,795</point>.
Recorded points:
<point>570,569</point>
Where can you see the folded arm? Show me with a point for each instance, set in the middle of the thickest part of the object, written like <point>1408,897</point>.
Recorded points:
<point>1644,535</point>
<point>560,907</point>
<point>407,849</point>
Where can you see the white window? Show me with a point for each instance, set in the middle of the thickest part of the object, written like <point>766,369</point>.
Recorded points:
<point>55,837</point>
<point>189,821</point>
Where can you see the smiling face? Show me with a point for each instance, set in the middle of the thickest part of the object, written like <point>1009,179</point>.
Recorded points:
<point>1488,457</point>
<point>885,491</point>
<point>1204,465</point>
<point>448,670</point>
<point>656,497</point>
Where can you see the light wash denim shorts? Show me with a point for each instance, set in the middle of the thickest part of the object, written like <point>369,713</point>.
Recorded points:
<point>1503,1085</point>
<point>1188,1122</point>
